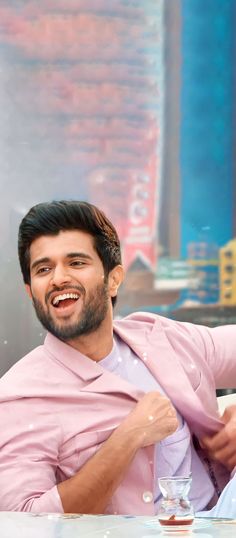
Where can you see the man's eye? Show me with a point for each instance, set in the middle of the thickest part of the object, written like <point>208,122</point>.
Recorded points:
<point>76,262</point>
<point>42,270</point>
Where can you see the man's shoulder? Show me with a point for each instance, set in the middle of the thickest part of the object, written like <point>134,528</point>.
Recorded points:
<point>149,322</point>
<point>137,317</point>
<point>146,322</point>
<point>192,344</point>
<point>26,370</point>
<point>144,318</point>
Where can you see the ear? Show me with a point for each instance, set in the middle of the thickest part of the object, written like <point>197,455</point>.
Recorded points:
<point>28,290</point>
<point>115,278</point>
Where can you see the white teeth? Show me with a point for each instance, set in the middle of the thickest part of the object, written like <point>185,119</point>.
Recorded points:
<point>64,296</point>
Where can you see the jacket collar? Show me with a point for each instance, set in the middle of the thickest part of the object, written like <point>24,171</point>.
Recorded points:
<point>95,377</point>
<point>72,359</point>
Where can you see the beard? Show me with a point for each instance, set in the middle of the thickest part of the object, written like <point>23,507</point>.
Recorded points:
<point>90,318</point>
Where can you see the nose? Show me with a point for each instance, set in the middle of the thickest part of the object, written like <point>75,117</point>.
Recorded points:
<point>60,276</point>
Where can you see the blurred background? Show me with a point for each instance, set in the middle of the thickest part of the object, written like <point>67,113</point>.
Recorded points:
<point>128,104</point>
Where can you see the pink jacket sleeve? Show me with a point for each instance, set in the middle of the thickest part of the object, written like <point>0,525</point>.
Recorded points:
<point>28,458</point>
<point>218,346</point>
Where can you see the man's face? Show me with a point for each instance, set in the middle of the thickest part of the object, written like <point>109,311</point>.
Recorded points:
<point>68,287</point>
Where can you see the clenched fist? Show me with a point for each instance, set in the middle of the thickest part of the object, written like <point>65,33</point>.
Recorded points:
<point>152,419</point>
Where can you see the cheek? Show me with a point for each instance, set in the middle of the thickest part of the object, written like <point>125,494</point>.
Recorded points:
<point>38,291</point>
<point>92,279</point>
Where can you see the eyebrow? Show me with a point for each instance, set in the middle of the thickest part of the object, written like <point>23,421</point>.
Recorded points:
<point>70,255</point>
<point>38,262</point>
<point>79,255</point>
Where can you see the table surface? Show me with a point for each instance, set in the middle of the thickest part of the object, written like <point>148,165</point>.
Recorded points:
<point>28,525</point>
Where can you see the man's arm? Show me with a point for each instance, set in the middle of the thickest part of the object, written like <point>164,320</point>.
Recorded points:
<point>29,457</point>
<point>219,348</point>
<point>214,350</point>
<point>90,490</point>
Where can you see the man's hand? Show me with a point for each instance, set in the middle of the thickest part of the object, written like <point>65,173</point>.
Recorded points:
<point>152,419</point>
<point>222,446</point>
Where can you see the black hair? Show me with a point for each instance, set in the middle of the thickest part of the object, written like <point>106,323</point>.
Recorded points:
<point>53,217</point>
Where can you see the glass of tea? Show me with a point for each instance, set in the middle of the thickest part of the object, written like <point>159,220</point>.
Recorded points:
<point>175,512</point>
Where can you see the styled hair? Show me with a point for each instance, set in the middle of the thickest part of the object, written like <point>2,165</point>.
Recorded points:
<point>53,217</point>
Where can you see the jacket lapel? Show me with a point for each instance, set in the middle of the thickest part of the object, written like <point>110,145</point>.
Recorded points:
<point>95,378</point>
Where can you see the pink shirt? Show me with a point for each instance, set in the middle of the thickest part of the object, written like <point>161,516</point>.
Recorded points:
<point>58,406</point>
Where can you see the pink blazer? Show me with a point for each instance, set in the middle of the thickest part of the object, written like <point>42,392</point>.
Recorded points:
<point>58,406</point>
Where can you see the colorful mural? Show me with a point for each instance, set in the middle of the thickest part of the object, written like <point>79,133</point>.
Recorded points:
<point>82,100</point>
<point>86,78</point>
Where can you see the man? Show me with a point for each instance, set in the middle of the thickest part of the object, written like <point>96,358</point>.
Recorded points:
<point>92,418</point>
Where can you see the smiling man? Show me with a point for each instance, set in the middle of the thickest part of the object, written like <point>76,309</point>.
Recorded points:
<point>91,419</point>
<point>68,286</point>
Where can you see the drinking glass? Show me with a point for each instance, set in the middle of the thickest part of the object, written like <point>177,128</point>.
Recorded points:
<point>175,511</point>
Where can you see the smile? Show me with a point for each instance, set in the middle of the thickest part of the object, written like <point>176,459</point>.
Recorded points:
<point>65,299</point>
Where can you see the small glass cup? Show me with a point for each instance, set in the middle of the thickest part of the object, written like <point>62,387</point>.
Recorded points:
<point>175,512</point>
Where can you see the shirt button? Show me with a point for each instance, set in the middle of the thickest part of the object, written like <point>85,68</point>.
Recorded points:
<point>147,496</point>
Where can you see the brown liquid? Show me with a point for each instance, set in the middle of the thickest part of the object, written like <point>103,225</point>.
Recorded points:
<point>173,521</point>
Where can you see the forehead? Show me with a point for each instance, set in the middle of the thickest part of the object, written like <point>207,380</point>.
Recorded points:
<point>62,244</point>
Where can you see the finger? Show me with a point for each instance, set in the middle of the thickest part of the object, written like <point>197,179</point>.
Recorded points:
<point>224,454</point>
<point>226,435</point>
<point>228,461</point>
<point>216,442</point>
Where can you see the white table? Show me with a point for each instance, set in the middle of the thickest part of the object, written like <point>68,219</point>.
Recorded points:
<point>27,525</point>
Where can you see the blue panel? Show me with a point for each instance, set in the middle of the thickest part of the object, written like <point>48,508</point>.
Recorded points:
<point>206,158</point>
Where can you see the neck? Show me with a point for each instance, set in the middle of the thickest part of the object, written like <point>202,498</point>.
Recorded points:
<point>96,345</point>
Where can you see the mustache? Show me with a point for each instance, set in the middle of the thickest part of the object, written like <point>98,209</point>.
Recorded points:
<point>80,288</point>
